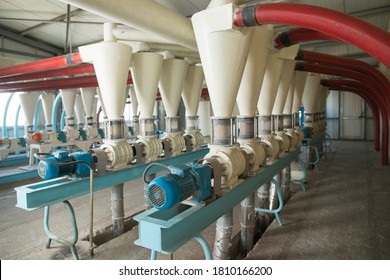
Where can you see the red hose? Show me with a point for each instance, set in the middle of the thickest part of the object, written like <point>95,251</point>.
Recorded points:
<point>44,64</point>
<point>298,35</point>
<point>352,64</point>
<point>350,29</point>
<point>344,85</point>
<point>376,90</point>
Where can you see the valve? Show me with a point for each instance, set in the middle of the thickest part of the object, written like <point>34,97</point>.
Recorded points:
<point>61,163</point>
<point>182,182</point>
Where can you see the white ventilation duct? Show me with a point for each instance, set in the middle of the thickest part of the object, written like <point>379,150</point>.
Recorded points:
<point>146,15</point>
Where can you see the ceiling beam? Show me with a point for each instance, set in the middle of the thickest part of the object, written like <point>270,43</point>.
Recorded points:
<point>29,42</point>
<point>59,18</point>
<point>26,54</point>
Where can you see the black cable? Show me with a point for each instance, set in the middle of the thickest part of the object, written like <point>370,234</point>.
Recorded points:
<point>149,167</point>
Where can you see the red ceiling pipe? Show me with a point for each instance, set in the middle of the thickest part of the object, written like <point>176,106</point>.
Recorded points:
<point>62,83</point>
<point>298,35</point>
<point>352,64</point>
<point>350,29</point>
<point>372,103</point>
<point>315,68</point>
<point>44,64</point>
<point>64,71</point>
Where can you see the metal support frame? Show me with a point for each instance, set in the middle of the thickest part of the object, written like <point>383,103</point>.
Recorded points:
<point>50,236</point>
<point>206,249</point>
<point>167,230</point>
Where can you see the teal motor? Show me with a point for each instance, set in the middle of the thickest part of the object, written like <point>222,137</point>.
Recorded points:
<point>61,163</point>
<point>182,182</point>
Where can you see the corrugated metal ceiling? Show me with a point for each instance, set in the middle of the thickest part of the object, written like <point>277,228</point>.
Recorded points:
<point>44,21</point>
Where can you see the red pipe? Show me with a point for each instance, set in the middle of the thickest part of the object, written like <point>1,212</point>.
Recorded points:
<point>344,85</point>
<point>44,64</point>
<point>298,35</point>
<point>352,64</point>
<point>64,71</point>
<point>365,80</point>
<point>350,29</point>
<point>62,83</point>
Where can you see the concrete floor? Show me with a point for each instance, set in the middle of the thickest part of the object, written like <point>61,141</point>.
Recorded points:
<point>345,214</point>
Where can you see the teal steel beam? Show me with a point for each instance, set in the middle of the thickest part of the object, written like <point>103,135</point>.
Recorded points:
<point>167,230</point>
<point>38,195</point>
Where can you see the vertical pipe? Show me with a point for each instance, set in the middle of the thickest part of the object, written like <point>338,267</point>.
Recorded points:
<point>247,223</point>
<point>5,132</point>
<point>118,215</point>
<point>222,236</point>
<point>263,194</point>
<point>16,127</point>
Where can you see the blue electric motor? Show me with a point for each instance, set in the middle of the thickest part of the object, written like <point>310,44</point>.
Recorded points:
<point>62,163</point>
<point>168,190</point>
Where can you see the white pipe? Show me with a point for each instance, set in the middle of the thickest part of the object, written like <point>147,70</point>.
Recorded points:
<point>131,34</point>
<point>146,15</point>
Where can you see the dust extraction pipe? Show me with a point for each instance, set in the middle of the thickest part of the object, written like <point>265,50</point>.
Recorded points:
<point>352,64</point>
<point>146,15</point>
<point>299,35</point>
<point>359,89</point>
<point>355,31</point>
<point>365,80</point>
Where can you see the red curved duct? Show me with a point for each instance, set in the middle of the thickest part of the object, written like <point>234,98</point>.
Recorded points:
<point>352,64</point>
<point>376,90</point>
<point>298,35</point>
<point>350,29</point>
<point>372,103</point>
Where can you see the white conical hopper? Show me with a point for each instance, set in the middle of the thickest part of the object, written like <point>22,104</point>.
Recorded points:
<point>192,89</point>
<point>133,100</point>
<point>48,98</point>
<point>171,84</point>
<point>287,110</point>
<point>88,97</point>
<point>223,51</point>
<point>322,102</point>
<point>311,92</point>
<point>145,72</point>
<point>300,81</point>
<point>68,99</point>
<point>28,102</point>
<point>79,109</point>
<point>284,85</point>
<point>111,62</point>
<point>270,84</point>
<point>252,79</point>
<point>101,102</point>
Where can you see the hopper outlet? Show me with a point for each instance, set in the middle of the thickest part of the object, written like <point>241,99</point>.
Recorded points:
<point>252,79</point>
<point>311,92</point>
<point>192,88</point>
<point>145,72</point>
<point>111,61</point>
<point>48,98</point>
<point>88,98</point>
<point>270,84</point>
<point>223,50</point>
<point>171,84</point>
<point>28,102</point>
<point>68,97</point>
